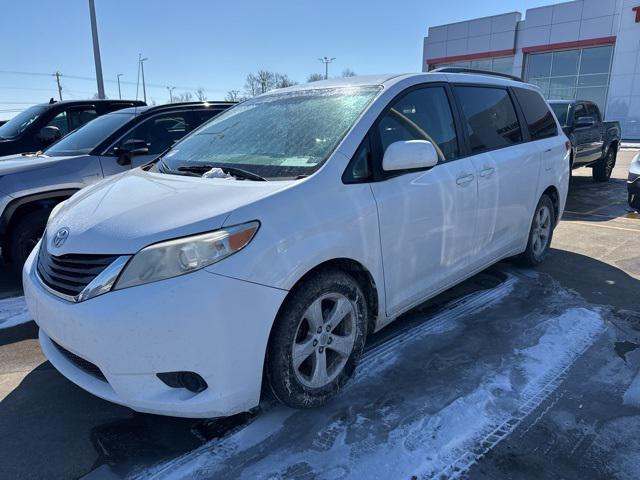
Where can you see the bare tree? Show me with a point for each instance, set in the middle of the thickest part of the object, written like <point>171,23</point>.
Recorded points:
<point>282,80</point>
<point>201,94</point>
<point>183,97</point>
<point>347,72</point>
<point>232,96</point>
<point>314,77</point>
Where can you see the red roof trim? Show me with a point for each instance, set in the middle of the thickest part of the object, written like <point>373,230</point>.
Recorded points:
<point>592,42</point>
<point>471,56</point>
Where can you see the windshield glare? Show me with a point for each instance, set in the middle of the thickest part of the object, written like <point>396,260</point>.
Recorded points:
<point>89,136</point>
<point>278,135</point>
<point>20,122</point>
<point>562,111</point>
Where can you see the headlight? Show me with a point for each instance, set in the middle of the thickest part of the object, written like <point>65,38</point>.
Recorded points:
<point>184,255</point>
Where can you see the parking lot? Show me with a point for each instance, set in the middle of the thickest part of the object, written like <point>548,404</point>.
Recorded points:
<point>513,374</point>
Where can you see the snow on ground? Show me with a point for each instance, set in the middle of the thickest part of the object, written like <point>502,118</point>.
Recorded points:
<point>13,311</point>
<point>427,403</point>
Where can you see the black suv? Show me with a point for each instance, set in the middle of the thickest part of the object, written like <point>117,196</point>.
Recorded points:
<point>39,126</point>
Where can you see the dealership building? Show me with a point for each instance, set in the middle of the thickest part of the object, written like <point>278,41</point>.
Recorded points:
<point>583,49</point>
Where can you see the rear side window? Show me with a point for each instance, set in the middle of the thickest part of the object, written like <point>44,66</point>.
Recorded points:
<point>538,116</point>
<point>423,114</point>
<point>490,117</point>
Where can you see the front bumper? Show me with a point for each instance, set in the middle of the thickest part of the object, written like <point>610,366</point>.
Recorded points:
<point>202,322</point>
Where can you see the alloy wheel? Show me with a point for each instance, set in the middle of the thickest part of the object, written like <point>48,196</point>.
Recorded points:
<point>541,230</point>
<point>324,340</point>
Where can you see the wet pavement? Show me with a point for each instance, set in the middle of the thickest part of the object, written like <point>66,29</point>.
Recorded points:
<point>514,374</point>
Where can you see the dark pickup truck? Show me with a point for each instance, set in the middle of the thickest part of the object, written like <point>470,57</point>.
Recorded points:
<point>39,126</point>
<point>594,143</point>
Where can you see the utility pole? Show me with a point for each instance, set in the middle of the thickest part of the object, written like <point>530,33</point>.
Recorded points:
<point>58,75</point>
<point>141,64</point>
<point>119,91</point>
<point>96,49</point>
<point>171,89</point>
<point>326,61</point>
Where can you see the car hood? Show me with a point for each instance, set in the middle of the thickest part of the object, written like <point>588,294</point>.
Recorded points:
<point>23,163</point>
<point>130,211</point>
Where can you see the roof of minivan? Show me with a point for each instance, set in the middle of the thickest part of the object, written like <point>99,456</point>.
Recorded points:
<point>390,79</point>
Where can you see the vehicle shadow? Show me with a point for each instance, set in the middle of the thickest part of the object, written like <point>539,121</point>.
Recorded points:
<point>596,202</point>
<point>53,429</point>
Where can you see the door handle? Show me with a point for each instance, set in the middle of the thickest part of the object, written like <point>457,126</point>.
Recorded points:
<point>487,172</point>
<point>465,179</point>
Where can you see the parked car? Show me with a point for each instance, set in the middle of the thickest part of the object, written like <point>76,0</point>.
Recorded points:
<point>256,244</point>
<point>39,126</point>
<point>633,183</point>
<point>594,143</point>
<point>31,185</point>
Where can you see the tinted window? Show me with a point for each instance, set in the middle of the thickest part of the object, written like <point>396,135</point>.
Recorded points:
<point>89,136</point>
<point>593,111</point>
<point>562,112</point>
<point>60,122</point>
<point>160,132</point>
<point>423,114</point>
<point>201,116</point>
<point>490,117</point>
<point>579,111</point>
<point>538,116</point>
<point>78,118</point>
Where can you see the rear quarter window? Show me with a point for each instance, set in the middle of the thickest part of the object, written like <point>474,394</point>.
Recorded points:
<point>539,119</point>
<point>490,117</point>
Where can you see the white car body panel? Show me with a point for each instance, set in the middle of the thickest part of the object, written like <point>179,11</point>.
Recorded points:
<point>415,234</point>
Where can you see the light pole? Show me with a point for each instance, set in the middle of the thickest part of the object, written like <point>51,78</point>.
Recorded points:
<point>144,87</point>
<point>171,89</point>
<point>96,49</point>
<point>119,91</point>
<point>326,61</point>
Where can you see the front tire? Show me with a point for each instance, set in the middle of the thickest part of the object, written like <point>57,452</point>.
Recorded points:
<point>317,339</point>
<point>540,233</point>
<point>24,236</point>
<point>604,167</point>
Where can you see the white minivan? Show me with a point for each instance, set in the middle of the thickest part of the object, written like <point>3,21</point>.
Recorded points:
<point>266,245</point>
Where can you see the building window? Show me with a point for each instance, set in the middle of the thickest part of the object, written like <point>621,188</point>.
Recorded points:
<point>581,74</point>
<point>498,65</point>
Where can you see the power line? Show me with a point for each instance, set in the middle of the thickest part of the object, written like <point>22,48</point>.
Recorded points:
<point>93,79</point>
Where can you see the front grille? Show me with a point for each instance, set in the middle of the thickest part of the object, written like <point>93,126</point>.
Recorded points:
<point>70,274</point>
<point>81,363</point>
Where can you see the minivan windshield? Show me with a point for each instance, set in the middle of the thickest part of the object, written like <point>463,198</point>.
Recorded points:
<point>89,136</point>
<point>20,122</point>
<point>562,112</point>
<point>278,135</point>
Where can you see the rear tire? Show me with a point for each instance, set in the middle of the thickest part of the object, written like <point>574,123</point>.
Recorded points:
<point>24,236</point>
<point>540,233</point>
<point>317,339</point>
<point>604,167</point>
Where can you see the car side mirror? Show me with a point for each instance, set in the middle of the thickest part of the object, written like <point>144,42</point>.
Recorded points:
<point>409,155</point>
<point>583,122</point>
<point>129,149</point>
<point>49,134</point>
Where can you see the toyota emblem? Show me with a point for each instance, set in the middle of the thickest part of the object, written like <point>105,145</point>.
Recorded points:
<point>60,237</point>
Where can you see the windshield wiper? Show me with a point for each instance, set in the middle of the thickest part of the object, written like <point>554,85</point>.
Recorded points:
<point>235,171</point>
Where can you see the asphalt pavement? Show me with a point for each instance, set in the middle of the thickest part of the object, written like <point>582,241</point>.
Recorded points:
<point>474,362</point>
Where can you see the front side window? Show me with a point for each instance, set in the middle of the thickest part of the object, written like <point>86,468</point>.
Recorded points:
<point>159,132</point>
<point>21,122</point>
<point>423,114</point>
<point>490,117</point>
<point>539,119</point>
<point>60,122</point>
<point>78,118</point>
<point>276,135</point>
<point>85,139</point>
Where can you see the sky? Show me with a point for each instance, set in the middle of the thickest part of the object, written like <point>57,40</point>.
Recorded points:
<point>211,44</point>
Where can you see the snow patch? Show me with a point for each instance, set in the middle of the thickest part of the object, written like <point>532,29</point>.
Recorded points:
<point>13,311</point>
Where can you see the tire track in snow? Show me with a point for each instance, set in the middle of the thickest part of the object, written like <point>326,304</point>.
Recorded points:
<point>13,311</point>
<point>374,359</point>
